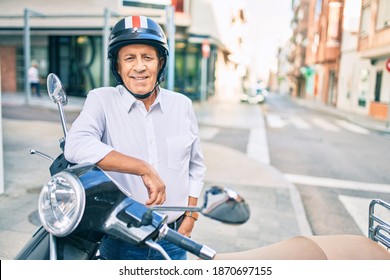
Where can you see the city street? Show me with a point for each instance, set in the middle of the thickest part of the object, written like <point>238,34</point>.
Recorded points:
<point>337,166</point>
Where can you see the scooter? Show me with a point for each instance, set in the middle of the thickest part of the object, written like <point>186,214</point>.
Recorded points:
<point>80,204</point>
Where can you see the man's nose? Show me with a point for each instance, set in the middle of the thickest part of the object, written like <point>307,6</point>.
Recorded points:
<point>139,64</point>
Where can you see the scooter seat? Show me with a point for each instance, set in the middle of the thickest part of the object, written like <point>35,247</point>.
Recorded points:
<point>332,247</point>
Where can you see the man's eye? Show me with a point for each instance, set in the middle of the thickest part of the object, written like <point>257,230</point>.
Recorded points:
<point>129,58</point>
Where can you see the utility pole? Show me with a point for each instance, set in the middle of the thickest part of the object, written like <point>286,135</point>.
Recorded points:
<point>27,49</point>
<point>1,144</point>
<point>106,34</point>
<point>170,11</point>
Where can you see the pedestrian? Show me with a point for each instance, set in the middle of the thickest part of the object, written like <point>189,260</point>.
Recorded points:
<point>145,137</point>
<point>34,79</point>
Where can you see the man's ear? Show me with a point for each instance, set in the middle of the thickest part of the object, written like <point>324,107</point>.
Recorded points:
<point>161,63</point>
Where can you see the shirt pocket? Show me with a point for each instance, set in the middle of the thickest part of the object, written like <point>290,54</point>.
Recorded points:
<point>179,148</point>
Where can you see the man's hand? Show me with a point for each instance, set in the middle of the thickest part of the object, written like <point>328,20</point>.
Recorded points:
<point>186,226</point>
<point>155,187</point>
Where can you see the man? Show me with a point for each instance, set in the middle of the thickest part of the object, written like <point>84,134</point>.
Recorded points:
<point>145,136</point>
<point>33,77</point>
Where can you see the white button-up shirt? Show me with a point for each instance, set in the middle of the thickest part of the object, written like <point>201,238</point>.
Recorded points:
<point>166,137</point>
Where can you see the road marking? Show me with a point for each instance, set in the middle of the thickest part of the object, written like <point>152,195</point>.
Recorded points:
<point>358,207</point>
<point>336,183</point>
<point>325,125</point>
<point>207,133</point>
<point>275,121</point>
<point>299,123</point>
<point>257,147</point>
<point>352,127</point>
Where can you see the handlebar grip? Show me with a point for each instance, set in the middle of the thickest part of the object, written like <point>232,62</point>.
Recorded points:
<point>202,251</point>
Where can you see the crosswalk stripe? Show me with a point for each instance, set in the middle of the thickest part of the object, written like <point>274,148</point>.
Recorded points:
<point>352,127</point>
<point>299,123</point>
<point>325,125</point>
<point>275,121</point>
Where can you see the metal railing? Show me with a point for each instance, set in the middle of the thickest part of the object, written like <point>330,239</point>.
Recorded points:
<point>378,228</point>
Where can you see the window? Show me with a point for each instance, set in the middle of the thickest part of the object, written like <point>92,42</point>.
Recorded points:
<point>365,21</point>
<point>333,23</point>
<point>383,18</point>
<point>363,87</point>
<point>378,85</point>
<point>318,9</point>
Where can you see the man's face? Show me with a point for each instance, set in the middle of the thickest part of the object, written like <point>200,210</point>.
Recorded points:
<point>138,66</point>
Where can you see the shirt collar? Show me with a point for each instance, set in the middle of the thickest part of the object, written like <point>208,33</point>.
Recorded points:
<point>130,100</point>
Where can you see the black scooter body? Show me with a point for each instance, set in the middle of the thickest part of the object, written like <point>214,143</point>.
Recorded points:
<point>103,200</point>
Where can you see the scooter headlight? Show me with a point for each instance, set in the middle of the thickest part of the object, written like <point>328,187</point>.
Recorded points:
<point>61,204</point>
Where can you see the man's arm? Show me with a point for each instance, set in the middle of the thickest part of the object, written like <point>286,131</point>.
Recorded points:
<point>115,161</point>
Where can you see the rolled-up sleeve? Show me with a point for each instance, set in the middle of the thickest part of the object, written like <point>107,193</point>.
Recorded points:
<point>83,142</point>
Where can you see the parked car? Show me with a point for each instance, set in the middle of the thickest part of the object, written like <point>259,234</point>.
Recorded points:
<point>255,96</point>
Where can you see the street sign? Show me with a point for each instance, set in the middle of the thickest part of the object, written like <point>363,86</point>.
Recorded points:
<point>206,49</point>
<point>388,64</point>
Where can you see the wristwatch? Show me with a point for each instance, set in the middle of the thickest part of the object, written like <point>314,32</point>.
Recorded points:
<point>191,214</point>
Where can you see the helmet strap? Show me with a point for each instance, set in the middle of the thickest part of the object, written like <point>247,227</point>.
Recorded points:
<point>142,96</point>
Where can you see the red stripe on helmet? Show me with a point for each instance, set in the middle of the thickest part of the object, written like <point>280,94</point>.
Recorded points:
<point>136,22</point>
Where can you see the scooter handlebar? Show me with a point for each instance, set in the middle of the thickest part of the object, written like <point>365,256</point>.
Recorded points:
<point>202,251</point>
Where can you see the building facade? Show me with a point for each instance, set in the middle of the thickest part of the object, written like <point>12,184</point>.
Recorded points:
<point>374,45</point>
<point>347,55</point>
<point>68,39</point>
<point>323,50</point>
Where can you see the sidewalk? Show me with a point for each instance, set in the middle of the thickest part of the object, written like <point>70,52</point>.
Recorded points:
<point>276,209</point>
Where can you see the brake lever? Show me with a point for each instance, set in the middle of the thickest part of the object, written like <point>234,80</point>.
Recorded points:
<point>158,248</point>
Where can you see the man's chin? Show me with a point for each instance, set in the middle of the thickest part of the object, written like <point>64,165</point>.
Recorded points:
<point>140,91</point>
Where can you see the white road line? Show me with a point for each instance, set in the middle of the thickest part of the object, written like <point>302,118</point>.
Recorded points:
<point>257,147</point>
<point>336,183</point>
<point>325,125</point>
<point>299,123</point>
<point>352,127</point>
<point>207,133</point>
<point>357,207</point>
<point>275,121</point>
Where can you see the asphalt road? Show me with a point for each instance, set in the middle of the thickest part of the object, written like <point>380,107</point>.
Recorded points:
<point>338,166</point>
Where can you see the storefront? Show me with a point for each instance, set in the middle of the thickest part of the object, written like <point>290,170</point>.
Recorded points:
<point>78,60</point>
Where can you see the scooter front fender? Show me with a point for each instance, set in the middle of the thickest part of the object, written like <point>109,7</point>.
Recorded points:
<point>37,248</point>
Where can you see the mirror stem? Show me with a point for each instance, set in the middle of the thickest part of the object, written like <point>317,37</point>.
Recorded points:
<point>175,208</point>
<point>147,218</point>
<point>62,117</point>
